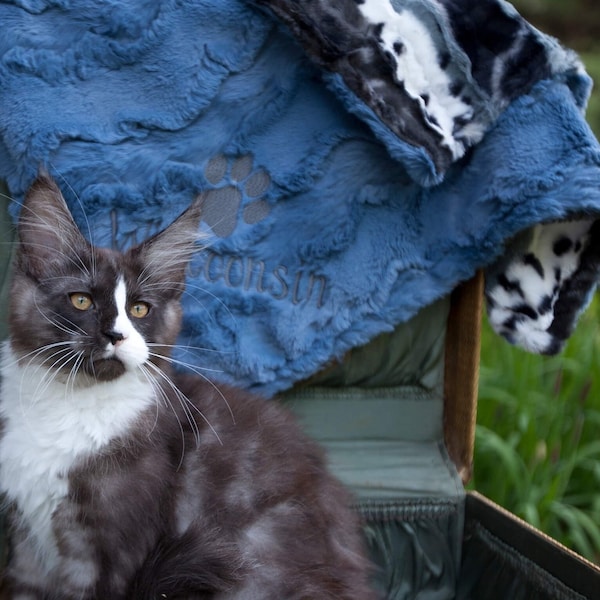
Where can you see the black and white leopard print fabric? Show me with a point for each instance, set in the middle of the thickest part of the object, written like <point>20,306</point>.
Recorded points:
<point>536,292</point>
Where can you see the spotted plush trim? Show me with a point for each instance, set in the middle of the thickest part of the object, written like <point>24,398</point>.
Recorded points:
<point>536,293</point>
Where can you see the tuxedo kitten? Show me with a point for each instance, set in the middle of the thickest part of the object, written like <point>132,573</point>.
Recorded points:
<point>126,479</point>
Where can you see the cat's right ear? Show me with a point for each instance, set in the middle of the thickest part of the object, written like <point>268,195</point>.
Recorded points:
<point>167,254</point>
<point>47,234</point>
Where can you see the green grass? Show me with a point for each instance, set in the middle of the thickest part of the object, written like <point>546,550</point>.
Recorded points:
<point>537,448</point>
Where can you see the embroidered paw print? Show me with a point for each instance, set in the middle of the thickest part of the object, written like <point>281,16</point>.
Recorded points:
<point>236,184</point>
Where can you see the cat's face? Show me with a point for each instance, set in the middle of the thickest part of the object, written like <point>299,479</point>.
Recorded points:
<point>91,314</point>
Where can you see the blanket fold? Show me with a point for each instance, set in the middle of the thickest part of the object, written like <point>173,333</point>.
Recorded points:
<point>356,161</point>
<point>436,74</point>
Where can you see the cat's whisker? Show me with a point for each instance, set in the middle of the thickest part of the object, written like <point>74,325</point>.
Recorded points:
<point>46,380</point>
<point>186,292</point>
<point>72,376</point>
<point>68,323</point>
<point>192,367</point>
<point>157,389</point>
<point>78,358</point>
<point>53,371</point>
<point>36,352</point>
<point>167,402</point>
<point>183,401</point>
<point>186,405</point>
<point>162,395</point>
<point>52,322</point>
<point>198,371</point>
<point>190,347</point>
<point>92,362</point>
<point>42,365</point>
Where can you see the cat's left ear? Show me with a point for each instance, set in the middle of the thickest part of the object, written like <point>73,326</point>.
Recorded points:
<point>165,256</point>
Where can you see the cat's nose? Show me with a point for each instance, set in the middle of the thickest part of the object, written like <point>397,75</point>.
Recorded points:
<point>115,337</point>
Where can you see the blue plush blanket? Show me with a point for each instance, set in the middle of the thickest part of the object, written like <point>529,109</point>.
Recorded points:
<point>356,162</point>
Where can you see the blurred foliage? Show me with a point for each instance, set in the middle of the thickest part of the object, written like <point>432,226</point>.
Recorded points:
<point>574,22</point>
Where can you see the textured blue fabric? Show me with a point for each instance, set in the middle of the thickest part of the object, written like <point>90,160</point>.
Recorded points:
<point>319,234</point>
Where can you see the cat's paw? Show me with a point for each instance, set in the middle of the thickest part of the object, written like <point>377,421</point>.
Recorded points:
<point>238,190</point>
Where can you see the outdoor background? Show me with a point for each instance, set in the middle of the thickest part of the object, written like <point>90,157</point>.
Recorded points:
<point>537,448</point>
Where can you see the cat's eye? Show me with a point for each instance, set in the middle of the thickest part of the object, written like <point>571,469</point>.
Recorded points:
<point>81,301</point>
<point>139,310</point>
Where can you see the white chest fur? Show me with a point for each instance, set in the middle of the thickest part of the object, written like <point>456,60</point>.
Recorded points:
<point>48,427</point>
